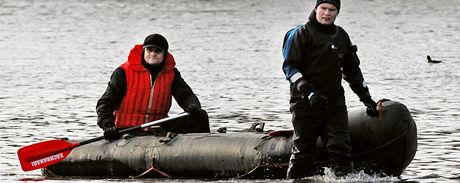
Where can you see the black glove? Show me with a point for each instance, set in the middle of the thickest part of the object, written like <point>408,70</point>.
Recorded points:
<point>371,106</point>
<point>317,101</point>
<point>303,87</point>
<point>110,132</point>
<point>194,111</point>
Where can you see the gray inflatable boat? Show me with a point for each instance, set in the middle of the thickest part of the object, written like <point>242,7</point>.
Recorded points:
<point>382,145</point>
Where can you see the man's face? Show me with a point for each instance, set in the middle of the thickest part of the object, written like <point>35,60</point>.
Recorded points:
<point>326,13</point>
<point>153,55</point>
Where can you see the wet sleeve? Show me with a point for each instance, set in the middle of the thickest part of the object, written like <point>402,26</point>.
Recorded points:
<point>352,73</point>
<point>293,53</point>
<point>182,92</point>
<point>112,97</point>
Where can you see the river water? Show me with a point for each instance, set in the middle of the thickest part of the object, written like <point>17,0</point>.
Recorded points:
<point>57,57</point>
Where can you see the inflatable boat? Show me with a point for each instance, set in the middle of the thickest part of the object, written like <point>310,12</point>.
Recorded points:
<point>384,145</point>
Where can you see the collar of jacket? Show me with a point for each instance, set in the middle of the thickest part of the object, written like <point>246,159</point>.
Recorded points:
<point>326,29</point>
<point>135,59</point>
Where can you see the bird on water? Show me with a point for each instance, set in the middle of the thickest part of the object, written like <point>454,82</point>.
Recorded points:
<point>432,61</point>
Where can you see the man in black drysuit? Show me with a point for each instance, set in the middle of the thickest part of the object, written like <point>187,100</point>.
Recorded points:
<point>316,57</point>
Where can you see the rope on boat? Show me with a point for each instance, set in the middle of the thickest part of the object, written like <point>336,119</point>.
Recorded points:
<point>150,169</point>
<point>371,150</point>
<point>48,173</point>
<point>381,146</point>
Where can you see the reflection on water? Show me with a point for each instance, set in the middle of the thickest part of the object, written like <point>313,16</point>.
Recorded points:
<point>57,57</point>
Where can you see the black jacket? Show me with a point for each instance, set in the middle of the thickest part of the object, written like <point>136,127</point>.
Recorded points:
<point>323,55</point>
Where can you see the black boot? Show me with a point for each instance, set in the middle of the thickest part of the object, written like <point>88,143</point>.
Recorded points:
<point>302,171</point>
<point>343,169</point>
<point>294,173</point>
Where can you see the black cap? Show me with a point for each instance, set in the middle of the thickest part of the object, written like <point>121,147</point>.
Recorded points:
<point>336,3</point>
<point>156,40</point>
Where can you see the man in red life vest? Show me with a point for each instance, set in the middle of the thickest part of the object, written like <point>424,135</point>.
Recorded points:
<point>141,90</point>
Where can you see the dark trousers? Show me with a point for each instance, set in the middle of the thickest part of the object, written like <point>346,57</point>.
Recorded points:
<point>330,124</point>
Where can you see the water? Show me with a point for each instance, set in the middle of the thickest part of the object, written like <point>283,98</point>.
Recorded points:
<point>57,57</point>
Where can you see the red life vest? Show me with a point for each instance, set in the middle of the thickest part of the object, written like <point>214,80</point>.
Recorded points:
<point>145,100</point>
